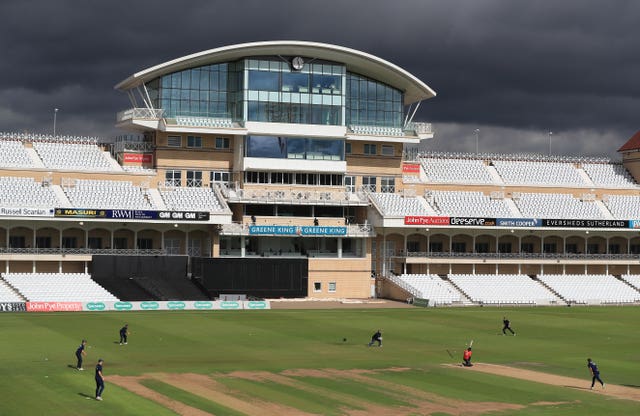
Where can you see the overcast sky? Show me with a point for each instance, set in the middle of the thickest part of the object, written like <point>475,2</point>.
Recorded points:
<point>513,69</point>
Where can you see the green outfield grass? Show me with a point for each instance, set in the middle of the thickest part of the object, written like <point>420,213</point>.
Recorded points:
<point>36,351</point>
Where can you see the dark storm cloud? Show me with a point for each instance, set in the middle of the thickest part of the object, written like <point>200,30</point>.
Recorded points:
<point>516,70</point>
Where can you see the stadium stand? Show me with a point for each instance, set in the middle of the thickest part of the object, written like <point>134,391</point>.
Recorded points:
<point>517,289</point>
<point>429,286</point>
<point>7,294</point>
<point>469,204</point>
<point>623,206</point>
<point>536,173</point>
<point>632,279</point>
<point>58,287</point>
<point>590,289</point>
<point>609,174</point>
<point>73,156</point>
<point>449,170</point>
<point>13,154</point>
<point>398,205</point>
<point>191,199</point>
<point>548,205</point>
<point>104,194</point>
<point>26,192</point>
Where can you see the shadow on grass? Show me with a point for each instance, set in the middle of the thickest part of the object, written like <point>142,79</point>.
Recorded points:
<point>631,385</point>
<point>86,396</point>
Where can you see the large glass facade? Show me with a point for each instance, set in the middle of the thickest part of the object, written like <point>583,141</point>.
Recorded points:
<point>277,93</point>
<point>294,148</point>
<point>267,89</point>
<point>372,103</point>
<point>206,91</point>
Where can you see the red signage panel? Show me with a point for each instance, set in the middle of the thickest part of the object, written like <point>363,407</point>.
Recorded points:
<point>425,220</point>
<point>54,306</point>
<point>138,158</point>
<point>410,168</point>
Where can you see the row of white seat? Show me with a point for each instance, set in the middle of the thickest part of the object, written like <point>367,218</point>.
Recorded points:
<point>521,289</point>
<point>58,287</point>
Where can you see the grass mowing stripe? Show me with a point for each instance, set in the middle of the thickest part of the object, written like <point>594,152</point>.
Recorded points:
<point>288,396</point>
<point>356,389</point>
<point>188,398</point>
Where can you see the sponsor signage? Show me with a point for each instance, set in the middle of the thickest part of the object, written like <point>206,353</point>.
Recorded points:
<point>574,223</point>
<point>173,305</point>
<point>421,302</point>
<point>227,304</point>
<point>518,222</point>
<point>132,214</point>
<point>410,168</point>
<point>313,230</point>
<point>54,306</point>
<point>183,215</point>
<point>149,305</point>
<point>80,213</point>
<point>95,306</point>
<point>25,212</point>
<point>634,224</point>
<point>473,221</point>
<point>256,304</point>
<point>13,307</point>
<point>137,158</point>
<point>122,306</point>
<point>203,304</point>
<point>425,220</point>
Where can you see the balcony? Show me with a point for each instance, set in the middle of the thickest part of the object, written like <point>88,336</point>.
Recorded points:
<point>140,113</point>
<point>352,230</point>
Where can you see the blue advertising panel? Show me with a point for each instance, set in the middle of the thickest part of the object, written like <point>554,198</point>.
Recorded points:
<point>518,222</point>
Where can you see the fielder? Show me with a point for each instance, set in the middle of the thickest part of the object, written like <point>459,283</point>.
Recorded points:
<point>595,373</point>
<point>377,337</point>
<point>99,380</point>
<point>506,326</point>
<point>80,352</point>
<point>124,331</point>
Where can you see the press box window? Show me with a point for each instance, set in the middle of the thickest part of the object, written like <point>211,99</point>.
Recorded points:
<point>387,150</point>
<point>222,142</point>
<point>370,149</point>
<point>174,141</point>
<point>194,141</point>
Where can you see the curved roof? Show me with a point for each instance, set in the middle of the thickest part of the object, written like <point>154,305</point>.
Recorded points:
<point>355,61</point>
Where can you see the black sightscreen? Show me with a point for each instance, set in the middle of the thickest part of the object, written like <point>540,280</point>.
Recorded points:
<point>264,278</point>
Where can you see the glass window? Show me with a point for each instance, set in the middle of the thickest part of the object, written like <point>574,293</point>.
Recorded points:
<point>220,177</point>
<point>173,178</point>
<point>194,178</point>
<point>369,183</point>
<point>347,148</point>
<point>350,183</point>
<point>387,184</point>
<point>295,82</point>
<point>264,81</point>
<point>222,142</point>
<point>194,141</point>
<point>317,286</point>
<point>174,141</point>
<point>332,287</point>
<point>387,150</point>
<point>370,149</point>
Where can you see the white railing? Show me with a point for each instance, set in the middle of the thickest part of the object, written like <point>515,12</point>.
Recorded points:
<point>133,146</point>
<point>133,113</point>
<point>297,197</point>
<point>35,137</point>
<point>419,127</point>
